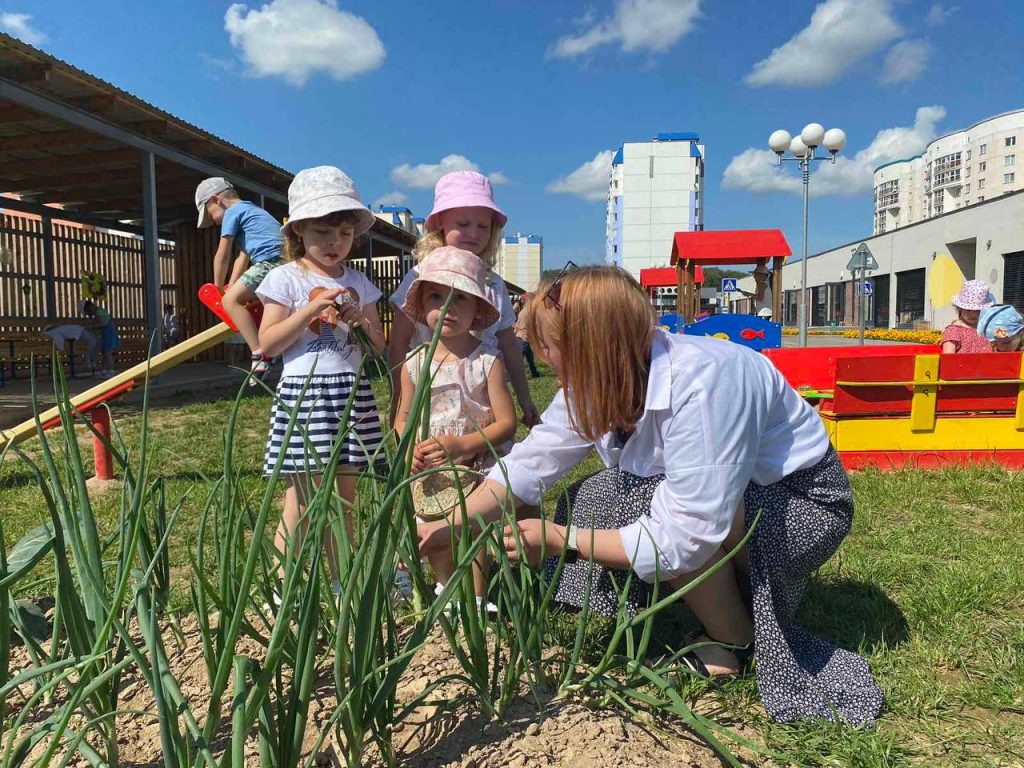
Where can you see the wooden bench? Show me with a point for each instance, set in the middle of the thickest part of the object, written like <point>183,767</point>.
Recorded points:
<point>25,350</point>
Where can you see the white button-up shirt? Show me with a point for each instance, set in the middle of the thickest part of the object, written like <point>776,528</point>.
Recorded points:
<point>717,417</point>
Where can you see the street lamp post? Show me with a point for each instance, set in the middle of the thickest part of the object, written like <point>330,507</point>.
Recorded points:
<point>802,148</point>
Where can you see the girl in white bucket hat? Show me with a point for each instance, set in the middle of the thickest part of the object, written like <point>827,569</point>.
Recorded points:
<point>316,310</point>
<point>472,419</point>
<point>962,334</point>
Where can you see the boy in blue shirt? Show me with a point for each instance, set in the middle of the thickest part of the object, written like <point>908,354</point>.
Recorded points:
<point>258,235</point>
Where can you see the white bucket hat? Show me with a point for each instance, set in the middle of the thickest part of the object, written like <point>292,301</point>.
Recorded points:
<point>320,191</point>
<point>208,188</point>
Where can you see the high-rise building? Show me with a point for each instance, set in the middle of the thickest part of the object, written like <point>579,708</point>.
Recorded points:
<point>520,260</point>
<point>956,170</point>
<point>656,189</point>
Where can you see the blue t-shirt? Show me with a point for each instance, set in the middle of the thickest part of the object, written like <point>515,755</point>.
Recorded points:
<point>256,231</point>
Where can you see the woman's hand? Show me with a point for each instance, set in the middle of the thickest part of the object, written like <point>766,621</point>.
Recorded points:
<point>531,416</point>
<point>536,538</point>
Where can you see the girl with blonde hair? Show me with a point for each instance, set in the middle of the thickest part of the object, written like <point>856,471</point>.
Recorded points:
<point>464,216</point>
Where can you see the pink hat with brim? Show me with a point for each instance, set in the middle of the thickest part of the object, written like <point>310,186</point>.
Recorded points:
<point>452,268</point>
<point>463,189</point>
<point>974,294</point>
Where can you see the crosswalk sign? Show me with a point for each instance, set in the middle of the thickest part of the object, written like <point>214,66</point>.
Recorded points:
<point>729,285</point>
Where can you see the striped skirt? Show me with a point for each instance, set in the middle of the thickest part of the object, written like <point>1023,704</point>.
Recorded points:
<point>319,424</point>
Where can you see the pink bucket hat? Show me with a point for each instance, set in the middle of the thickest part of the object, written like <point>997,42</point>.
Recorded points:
<point>974,294</point>
<point>453,268</point>
<point>463,189</point>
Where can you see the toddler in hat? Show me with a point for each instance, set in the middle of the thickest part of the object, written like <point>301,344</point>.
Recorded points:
<point>1003,326</point>
<point>312,306</point>
<point>258,237</point>
<point>465,216</point>
<point>472,419</point>
<point>962,334</point>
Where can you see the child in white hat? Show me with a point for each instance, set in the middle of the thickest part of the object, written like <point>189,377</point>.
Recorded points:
<point>962,334</point>
<point>472,418</point>
<point>312,306</point>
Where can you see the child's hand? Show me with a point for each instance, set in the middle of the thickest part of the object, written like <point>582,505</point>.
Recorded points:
<point>322,298</point>
<point>351,315</point>
<point>436,451</point>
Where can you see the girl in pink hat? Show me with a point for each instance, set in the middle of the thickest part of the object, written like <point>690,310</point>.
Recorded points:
<point>464,216</point>
<point>472,419</point>
<point>962,334</point>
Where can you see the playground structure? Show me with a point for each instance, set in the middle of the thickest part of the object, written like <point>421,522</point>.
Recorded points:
<point>92,403</point>
<point>893,407</point>
<point>884,406</point>
<point>691,251</point>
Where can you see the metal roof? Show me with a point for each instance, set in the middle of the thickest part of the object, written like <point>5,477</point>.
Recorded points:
<point>736,246</point>
<point>71,138</point>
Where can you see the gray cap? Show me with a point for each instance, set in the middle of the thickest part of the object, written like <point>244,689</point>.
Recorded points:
<point>208,188</point>
<point>320,191</point>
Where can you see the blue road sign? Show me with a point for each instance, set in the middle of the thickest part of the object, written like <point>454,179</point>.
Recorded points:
<point>866,288</point>
<point>729,285</point>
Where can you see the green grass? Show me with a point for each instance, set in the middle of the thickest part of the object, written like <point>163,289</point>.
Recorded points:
<point>929,586</point>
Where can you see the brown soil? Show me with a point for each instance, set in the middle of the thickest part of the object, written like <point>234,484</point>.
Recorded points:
<point>565,733</point>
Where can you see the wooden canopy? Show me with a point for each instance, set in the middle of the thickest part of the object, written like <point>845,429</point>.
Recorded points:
<point>691,250</point>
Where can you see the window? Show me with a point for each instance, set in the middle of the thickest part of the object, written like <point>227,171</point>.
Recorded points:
<point>967,188</point>
<point>981,198</point>
<point>1011,141</point>
<point>981,184</point>
<point>967,171</point>
<point>982,166</point>
<point>1007,178</point>
<point>1013,278</point>
<point>1009,160</point>
<point>879,312</point>
<point>983,149</point>
<point>909,297</point>
<point>967,156</point>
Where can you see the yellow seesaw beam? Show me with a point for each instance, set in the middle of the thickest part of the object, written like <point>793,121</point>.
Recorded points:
<point>169,358</point>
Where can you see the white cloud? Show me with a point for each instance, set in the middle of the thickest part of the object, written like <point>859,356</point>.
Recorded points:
<point>589,181</point>
<point>652,25</point>
<point>293,39</point>
<point>425,175</point>
<point>755,170</point>
<point>391,198</point>
<point>939,15</point>
<point>840,33</point>
<point>17,25</point>
<point>905,62</point>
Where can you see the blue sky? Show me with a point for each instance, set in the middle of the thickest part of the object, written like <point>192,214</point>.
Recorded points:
<point>534,91</point>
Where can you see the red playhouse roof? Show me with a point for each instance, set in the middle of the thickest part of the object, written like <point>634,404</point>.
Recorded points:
<point>736,246</point>
<point>663,277</point>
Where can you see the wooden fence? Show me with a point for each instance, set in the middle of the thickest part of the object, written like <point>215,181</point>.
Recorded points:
<point>44,258</point>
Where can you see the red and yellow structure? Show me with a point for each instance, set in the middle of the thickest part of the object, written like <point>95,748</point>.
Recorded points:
<point>895,407</point>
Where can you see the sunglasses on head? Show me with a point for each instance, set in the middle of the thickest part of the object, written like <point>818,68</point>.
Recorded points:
<point>554,294</point>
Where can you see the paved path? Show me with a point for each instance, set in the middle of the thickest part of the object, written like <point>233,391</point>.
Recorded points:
<point>836,341</point>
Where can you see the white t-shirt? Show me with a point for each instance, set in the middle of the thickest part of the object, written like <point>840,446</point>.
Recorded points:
<point>496,292</point>
<point>61,333</point>
<point>334,349</point>
<point>717,417</point>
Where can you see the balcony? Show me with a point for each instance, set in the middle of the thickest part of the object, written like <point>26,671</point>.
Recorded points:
<point>947,178</point>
